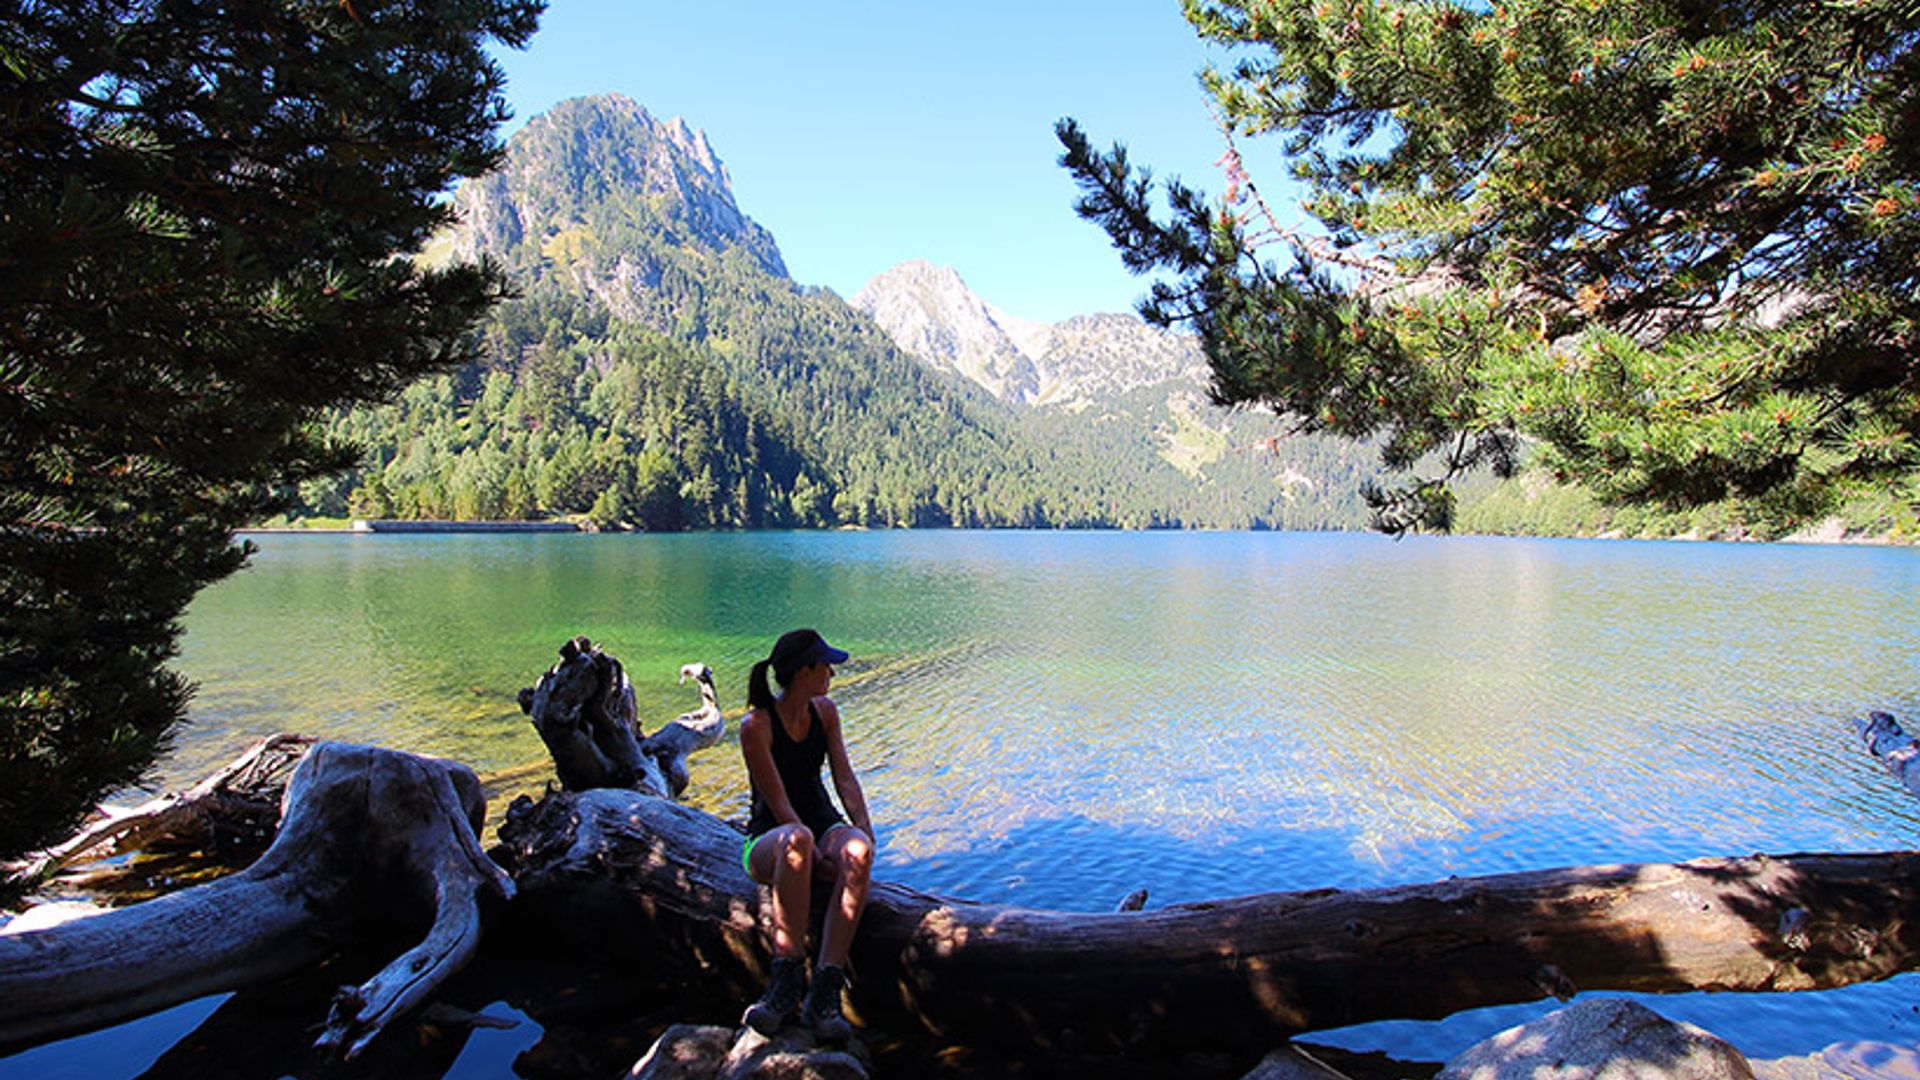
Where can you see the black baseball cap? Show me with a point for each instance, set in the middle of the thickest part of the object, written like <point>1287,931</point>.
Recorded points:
<point>803,648</point>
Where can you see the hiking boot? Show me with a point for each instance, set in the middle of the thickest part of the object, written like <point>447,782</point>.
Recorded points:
<point>783,994</point>
<point>822,1009</point>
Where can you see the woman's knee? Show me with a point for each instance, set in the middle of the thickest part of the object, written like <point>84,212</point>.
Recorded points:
<point>856,856</point>
<point>796,847</point>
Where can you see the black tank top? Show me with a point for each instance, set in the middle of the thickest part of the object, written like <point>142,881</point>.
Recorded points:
<point>798,764</point>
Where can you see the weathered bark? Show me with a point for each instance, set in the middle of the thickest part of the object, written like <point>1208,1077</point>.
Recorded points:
<point>688,732</point>
<point>583,708</point>
<point>1242,973</point>
<point>241,800</point>
<point>369,838</point>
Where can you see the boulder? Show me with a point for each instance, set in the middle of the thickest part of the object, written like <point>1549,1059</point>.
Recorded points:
<point>685,1052</point>
<point>1602,1039</point>
<point>692,1052</point>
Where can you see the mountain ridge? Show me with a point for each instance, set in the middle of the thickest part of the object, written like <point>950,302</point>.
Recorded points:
<point>660,369</point>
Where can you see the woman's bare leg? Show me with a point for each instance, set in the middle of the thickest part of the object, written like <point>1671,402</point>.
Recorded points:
<point>784,858</point>
<point>847,853</point>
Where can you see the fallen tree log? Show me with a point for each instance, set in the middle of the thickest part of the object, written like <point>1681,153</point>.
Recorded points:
<point>238,806</point>
<point>664,880</point>
<point>369,838</point>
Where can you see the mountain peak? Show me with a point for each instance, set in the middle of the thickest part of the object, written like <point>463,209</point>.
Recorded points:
<point>932,315</point>
<point>606,160</point>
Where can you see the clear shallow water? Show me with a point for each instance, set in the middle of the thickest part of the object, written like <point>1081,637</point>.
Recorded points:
<point>1056,719</point>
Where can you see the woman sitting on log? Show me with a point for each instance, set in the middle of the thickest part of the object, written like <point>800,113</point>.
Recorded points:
<point>795,832</point>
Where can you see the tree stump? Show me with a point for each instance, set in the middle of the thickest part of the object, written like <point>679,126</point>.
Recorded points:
<point>583,708</point>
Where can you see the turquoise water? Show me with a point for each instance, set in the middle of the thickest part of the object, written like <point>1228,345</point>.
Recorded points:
<point>1056,719</point>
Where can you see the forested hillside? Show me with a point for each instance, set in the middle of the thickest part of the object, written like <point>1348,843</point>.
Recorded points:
<point>659,370</point>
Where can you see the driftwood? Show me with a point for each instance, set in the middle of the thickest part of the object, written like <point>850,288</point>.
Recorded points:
<point>1245,973</point>
<point>237,807</point>
<point>583,708</point>
<point>369,837</point>
<point>1894,748</point>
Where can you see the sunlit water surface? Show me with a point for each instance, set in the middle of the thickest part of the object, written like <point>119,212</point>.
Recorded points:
<point>1056,719</point>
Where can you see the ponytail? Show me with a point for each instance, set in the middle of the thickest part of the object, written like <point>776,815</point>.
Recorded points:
<point>759,695</point>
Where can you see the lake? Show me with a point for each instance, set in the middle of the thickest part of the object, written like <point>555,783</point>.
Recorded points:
<point>1056,719</point>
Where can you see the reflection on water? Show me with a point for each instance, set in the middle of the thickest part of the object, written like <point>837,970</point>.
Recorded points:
<point>1055,720</point>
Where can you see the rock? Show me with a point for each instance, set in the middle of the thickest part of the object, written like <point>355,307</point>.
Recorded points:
<point>1602,1039</point>
<point>695,1052</point>
<point>1871,1061</point>
<point>932,316</point>
<point>685,1052</point>
<point>1289,1062</point>
<point>791,1055</point>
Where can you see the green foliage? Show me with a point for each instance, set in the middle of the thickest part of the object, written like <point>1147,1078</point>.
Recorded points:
<point>201,206</point>
<point>1675,246</point>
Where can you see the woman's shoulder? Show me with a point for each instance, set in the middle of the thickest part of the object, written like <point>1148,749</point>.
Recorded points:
<point>756,722</point>
<point>824,707</point>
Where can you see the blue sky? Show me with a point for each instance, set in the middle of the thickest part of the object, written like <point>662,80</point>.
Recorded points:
<point>864,134</point>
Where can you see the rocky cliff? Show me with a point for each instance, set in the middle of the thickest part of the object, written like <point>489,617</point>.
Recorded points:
<point>932,315</point>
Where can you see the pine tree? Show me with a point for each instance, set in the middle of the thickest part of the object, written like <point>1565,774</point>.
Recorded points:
<point>202,209</point>
<point>1672,249</point>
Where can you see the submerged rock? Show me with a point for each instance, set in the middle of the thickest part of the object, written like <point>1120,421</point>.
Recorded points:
<point>1603,1039</point>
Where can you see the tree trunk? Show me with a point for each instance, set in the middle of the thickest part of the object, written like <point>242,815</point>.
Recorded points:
<point>616,870</point>
<point>369,838</point>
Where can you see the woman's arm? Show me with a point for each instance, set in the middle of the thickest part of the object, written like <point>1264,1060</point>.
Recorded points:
<point>844,780</point>
<point>756,745</point>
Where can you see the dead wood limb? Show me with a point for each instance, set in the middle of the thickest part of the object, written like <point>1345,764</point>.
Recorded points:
<point>688,732</point>
<point>370,838</point>
<point>1893,747</point>
<point>241,799</point>
<point>652,877</point>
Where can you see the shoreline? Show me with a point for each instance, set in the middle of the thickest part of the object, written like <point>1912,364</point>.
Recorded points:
<point>1828,533</point>
<point>362,527</point>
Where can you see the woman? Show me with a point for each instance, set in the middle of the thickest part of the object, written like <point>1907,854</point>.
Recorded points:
<point>795,832</point>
